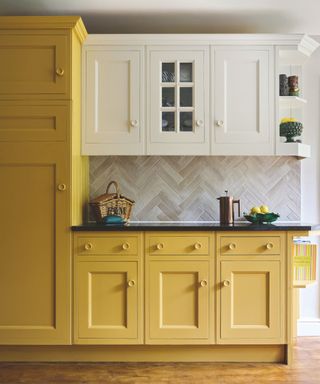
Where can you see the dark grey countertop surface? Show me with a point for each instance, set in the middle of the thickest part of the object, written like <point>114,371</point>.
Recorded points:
<point>196,226</point>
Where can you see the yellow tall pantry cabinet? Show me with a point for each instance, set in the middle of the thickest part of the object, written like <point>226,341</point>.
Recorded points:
<point>41,173</point>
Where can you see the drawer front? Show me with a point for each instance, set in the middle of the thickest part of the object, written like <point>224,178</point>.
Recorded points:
<point>23,121</point>
<point>250,245</point>
<point>107,245</point>
<point>178,245</point>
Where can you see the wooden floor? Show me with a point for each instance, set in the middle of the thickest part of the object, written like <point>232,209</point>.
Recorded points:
<point>306,369</point>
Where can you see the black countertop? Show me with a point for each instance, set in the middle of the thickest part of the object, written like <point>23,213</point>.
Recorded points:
<point>197,226</point>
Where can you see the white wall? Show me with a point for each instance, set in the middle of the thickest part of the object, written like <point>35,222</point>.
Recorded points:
<point>309,323</point>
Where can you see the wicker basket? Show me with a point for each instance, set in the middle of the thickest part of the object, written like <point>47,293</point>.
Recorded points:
<point>111,204</point>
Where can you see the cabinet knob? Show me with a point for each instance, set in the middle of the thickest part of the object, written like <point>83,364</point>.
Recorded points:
<point>203,283</point>
<point>232,246</point>
<point>226,283</point>
<point>60,71</point>
<point>220,123</point>
<point>133,123</point>
<point>125,246</point>
<point>131,283</point>
<point>197,246</point>
<point>88,246</point>
<point>62,187</point>
<point>199,123</point>
<point>269,245</point>
<point>160,246</point>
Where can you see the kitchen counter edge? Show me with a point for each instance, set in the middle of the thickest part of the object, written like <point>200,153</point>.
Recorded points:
<point>142,226</point>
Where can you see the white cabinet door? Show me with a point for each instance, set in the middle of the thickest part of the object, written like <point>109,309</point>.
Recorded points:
<point>113,101</point>
<point>178,91</point>
<point>243,100</point>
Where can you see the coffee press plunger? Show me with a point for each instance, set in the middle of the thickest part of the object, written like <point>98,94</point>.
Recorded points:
<point>227,208</point>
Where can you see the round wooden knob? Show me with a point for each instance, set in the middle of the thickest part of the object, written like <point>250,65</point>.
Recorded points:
<point>199,123</point>
<point>133,123</point>
<point>160,246</point>
<point>197,246</point>
<point>203,283</point>
<point>232,246</point>
<point>62,187</point>
<point>269,245</point>
<point>88,246</point>
<point>226,283</point>
<point>60,71</point>
<point>220,123</point>
<point>131,283</point>
<point>125,246</point>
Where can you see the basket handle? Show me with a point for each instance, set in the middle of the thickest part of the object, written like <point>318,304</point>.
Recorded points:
<point>115,185</point>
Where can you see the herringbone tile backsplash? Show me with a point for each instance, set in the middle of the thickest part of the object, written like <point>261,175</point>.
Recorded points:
<point>185,188</point>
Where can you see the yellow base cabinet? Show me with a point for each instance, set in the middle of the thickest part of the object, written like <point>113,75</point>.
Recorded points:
<point>179,288</point>
<point>250,309</point>
<point>177,300</point>
<point>108,289</point>
<point>251,288</point>
<point>107,301</point>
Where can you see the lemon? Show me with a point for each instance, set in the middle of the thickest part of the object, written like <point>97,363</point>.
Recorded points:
<point>264,209</point>
<point>288,120</point>
<point>255,210</point>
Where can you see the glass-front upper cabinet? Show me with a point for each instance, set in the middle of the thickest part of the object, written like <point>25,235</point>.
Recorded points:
<point>178,101</point>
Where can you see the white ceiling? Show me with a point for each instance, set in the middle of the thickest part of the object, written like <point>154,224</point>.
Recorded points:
<point>180,16</point>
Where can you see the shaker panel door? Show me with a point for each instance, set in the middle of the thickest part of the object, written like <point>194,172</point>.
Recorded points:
<point>107,302</point>
<point>113,97</point>
<point>243,121</point>
<point>178,302</point>
<point>35,247</point>
<point>250,298</point>
<point>34,65</point>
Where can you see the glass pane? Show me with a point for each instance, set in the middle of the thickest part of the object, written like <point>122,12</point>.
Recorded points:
<point>168,97</point>
<point>168,121</point>
<point>186,121</point>
<point>168,73</point>
<point>186,72</point>
<point>186,97</point>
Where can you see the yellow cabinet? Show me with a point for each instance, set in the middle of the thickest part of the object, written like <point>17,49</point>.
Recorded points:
<point>177,300</point>
<point>41,172</point>
<point>251,290</point>
<point>35,245</point>
<point>25,121</point>
<point>189,244</point>
<point>34,64</point>
<point>250,302</point>
<point>107,305</point>
<point>108,288</point>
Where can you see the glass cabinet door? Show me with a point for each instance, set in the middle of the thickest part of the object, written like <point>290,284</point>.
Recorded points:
<point>177,101</point>
<point>177,106</point>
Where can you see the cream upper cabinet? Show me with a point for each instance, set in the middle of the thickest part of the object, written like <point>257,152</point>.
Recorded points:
<point>113,101</point>
<point>243,100</point>
<point>178,100</point>
<point>197,94</point>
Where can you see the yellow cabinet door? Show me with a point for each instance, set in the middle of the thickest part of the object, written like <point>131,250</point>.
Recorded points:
<point>35,245</point>
<point>177,301</point>
<point>107,306</point>
<point>34,64</point>
<point>24,121</point>
<point>250,297</point>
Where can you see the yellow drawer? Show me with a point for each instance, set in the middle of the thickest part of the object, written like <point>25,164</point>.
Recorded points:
<point>250,245</point>
<point>107,245</point>
<point>178,245</point>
